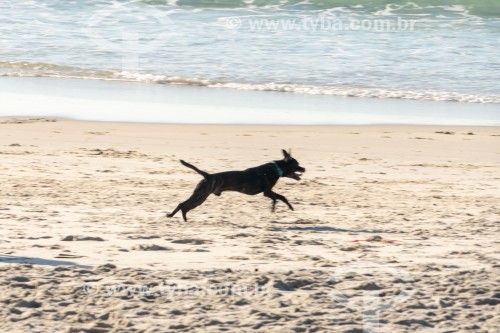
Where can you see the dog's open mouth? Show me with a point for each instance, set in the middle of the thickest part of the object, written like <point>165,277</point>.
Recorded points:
<point>297,175</point>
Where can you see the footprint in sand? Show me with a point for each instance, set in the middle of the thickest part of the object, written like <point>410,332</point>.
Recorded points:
<point>191,241</point>
<point>151,247</point>
<point>71,238</point>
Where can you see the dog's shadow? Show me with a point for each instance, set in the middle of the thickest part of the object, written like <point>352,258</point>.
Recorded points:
<point>8,259</point>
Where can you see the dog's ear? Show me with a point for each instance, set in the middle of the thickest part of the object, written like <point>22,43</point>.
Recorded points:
<point>285,155</point>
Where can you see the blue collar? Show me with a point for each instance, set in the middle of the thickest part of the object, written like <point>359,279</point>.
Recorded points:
<point>280,172</point>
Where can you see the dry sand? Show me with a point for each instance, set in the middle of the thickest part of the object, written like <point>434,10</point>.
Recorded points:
<point>395,229</point>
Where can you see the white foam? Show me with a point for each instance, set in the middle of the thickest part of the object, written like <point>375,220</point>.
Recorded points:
<point>364,92</point>
<point>46,70</point>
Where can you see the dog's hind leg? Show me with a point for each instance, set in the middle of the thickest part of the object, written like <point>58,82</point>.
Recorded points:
<point>194,201</point>
<point>199,196</point>
<point>179,207</point>
<point>275,196</point>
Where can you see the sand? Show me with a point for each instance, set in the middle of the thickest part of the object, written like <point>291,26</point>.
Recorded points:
<point>395,229</point>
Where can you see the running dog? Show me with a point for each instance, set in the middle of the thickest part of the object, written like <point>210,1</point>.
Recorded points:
<point>250,181</point>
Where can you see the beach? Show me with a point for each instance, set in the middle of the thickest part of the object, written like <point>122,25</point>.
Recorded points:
<point>391,106</point>
<point>395,228</point>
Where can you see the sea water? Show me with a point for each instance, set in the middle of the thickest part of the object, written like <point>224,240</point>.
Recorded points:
<point>444,50</point>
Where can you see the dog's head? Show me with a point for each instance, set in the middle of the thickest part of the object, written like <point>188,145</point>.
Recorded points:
<point>291,167</point>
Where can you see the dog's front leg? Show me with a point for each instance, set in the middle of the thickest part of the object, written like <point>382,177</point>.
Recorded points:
<point>274,196</point>
<point>271,195</point>
<point>282,198</point>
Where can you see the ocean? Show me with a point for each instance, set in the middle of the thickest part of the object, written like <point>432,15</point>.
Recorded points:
<point>444,50</point>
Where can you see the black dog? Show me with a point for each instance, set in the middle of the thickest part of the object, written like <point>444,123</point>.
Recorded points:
<point>250,181</point>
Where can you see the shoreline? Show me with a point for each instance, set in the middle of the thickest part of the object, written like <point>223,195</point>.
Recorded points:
<point>153,103</point>
<point>41,119</point>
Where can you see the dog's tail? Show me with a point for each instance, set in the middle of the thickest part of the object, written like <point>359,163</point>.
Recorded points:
<point>203,173</point>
